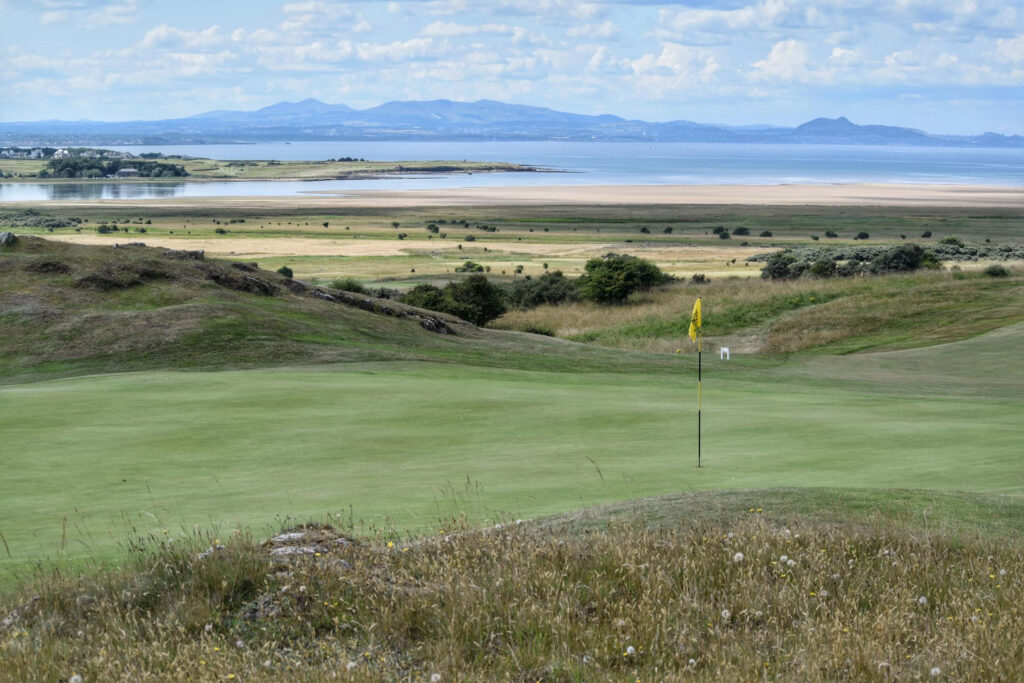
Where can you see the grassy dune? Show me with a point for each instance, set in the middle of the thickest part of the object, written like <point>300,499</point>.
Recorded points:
<point>747,593</point>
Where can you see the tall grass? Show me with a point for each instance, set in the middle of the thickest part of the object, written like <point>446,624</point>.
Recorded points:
<point>716,600</point>
<point>785,316</point>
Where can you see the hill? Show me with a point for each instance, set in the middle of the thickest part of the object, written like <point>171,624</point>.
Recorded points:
<point>312,119</point>
<point>69,309</point>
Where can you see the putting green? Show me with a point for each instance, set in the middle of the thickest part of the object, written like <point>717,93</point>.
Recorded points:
<point>90,461</point>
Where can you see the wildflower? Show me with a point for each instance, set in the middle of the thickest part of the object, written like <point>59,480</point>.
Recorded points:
<point>350,666</point>
<point>630,651</point>
<point>267,664</point>
<point>758,614</point>
<point>935,671</point>
<point>239,644</point>
<point>738,557</point>
<point>730,535</point>
<point>922,601</point>
<point>726,614</point>
<point>75,678</point>
<point>208,628</point>
<point>784,558</point>
<point>391,544</point>
<point>435,678</point>
<point>790,563</point>
<point>1002,572</point>
<point>692,662</point>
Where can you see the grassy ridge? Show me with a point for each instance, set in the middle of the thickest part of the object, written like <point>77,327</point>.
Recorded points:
<point>747,593</point>
<point>828,316</point>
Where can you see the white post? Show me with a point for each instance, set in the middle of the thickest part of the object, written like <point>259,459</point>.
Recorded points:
<point>723,353</point>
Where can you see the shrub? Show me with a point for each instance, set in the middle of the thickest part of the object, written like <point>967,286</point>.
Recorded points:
<point>766,233</point>
<point>221,231</point>
<point>723,235</point>
<point>741,231</point>
<point>831,234</point>
<point>861,236</point>
<point>645,230</point>
<point>613,277</point>
<point>349,284</point>
<point>667,231</point>
<point>926,234</point>
<point>699,279</point>
<point>469,267</point>
<point>822,268</point>
<point>777,267</point>
<point>550,288</point>
<point>471,238</point>
<point>815,238</point>
<point>951,240</point>
<point>402,235</point>
<point>286,271</point>
<point>996,270</point>
<point>474,299</point>
<point>718,231</point>
<point>901,259</point>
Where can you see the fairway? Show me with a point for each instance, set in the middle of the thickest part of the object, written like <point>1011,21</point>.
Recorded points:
<point>93,460</point>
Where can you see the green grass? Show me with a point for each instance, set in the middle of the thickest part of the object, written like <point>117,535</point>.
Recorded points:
<point>398,441</point>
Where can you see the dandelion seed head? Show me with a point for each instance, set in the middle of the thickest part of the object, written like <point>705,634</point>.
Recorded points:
<point>758,614</point>
<point>692,662</point>
<point>267,664</point>
<point>730,535</point>
<point>922,600</point>
<point>784,558</point>
<point>435,678</point>
<point>239,644</point>
<point>350,666</point>
<point>935,671</point>
<point>726,614</point>
<point>208,628</point>
<point>1002,572</point>
<point>630,651</point>
<point>738,557</point>
<point>75,679</point>
<point>790,563</point>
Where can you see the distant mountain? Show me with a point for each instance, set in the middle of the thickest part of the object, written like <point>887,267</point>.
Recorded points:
<point>449,120</point>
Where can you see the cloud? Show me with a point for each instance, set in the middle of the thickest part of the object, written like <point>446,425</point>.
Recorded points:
<point>449,29</point>
<point>164,36</point>
<point>1011,49</point>
<point>787,61</point>
<point>596,31</point>
<point>89,14</point>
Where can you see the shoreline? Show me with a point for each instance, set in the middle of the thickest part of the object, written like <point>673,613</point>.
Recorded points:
<point>843,194</point>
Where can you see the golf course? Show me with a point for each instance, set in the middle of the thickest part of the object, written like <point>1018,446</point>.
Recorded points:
<point>165,401</point>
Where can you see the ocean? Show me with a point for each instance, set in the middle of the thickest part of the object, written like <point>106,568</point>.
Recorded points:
<point>571,163</point>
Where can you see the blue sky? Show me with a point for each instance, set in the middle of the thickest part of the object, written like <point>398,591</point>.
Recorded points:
<point>947,66</point>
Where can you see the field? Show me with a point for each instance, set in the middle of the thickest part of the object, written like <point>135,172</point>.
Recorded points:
<point>866,415</point>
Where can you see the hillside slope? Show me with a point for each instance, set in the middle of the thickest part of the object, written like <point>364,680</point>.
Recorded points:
<point>71,309</point>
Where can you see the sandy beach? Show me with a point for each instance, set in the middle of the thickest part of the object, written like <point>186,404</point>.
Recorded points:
<point>854,194</point>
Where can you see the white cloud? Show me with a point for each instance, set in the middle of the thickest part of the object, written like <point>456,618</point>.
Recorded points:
<point>168,36</point>
<point>443,28</point>
<point>1011,49</point>
<point>595,31</point>
<point>787,61</point>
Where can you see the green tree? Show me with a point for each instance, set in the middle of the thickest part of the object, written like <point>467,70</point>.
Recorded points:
<point>613,277</point>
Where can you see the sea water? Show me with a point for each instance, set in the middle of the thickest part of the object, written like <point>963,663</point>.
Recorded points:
<point>569,163</point>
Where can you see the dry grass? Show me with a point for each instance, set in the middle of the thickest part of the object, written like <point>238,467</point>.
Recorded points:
<point>753,315</point>
<point>740,600</point>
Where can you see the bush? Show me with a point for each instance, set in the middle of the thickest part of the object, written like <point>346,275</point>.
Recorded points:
<point>822,268</point>
<point>645,230</point>
<point>699,279</point>
<point>286,271</point>
<point>766,233</point>
<point>667,231</point>
<point>469,267</point>
<point>861,236</point>
<point>613,277</point>
<point>471,238</point>
<point>718,231</point>
<point>902,259</point>
<point>831,234</point>
<point>996,270</point>
<point>741,231</point>
<point>723,235</point>
<point>549,288</point>
<point>926,234</point>
<point>951,240</point>
<point>221,231</point>
<point>349,284</point>
<point>473,299</point>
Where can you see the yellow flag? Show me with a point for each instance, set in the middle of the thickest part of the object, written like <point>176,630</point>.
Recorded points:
<point>695,321</point>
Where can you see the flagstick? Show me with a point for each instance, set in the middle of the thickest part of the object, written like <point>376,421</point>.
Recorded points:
<point>699,339</point>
